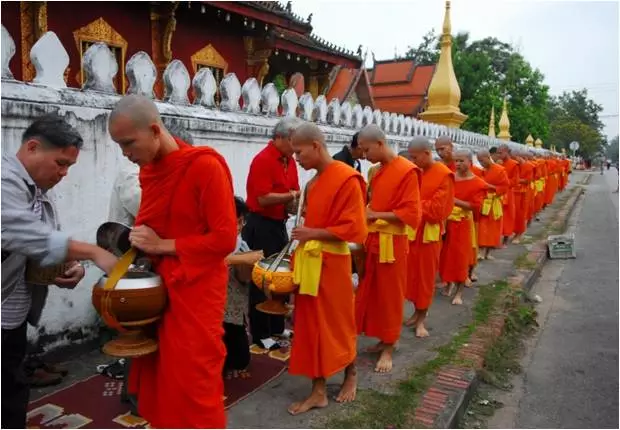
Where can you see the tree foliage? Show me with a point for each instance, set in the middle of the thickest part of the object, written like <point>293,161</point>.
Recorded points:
<point>575,117</point>
<point>613,151</point>
<point>487,70</point>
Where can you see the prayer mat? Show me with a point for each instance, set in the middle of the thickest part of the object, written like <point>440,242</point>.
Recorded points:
<point>95,402</point>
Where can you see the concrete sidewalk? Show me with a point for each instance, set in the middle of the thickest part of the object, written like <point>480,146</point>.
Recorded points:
<point>267,407</point>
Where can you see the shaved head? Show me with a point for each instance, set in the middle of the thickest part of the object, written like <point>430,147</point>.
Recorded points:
<point>444,148</point>
<point>135,124</point>
<point>372,132</point>
<point>421,152</point>
<point>307,133</point>
<point>484,157</point>
<point>504,152</point>
<point>404,154</point>
<point>141,110</point>
<point>308,143</point>
<point>463,159</point>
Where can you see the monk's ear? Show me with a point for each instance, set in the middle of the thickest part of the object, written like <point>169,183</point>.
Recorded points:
<point>156,129</point>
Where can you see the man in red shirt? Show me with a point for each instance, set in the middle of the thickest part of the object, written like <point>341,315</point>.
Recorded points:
<point>272,185</point>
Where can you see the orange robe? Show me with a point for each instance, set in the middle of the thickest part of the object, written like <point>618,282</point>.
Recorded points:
<point>539,199</point>
<point>381,294</point>
<point>325,333</point>
<point>437,196</point>
<point>478,171</point>
<point>551,182</point>
<point>180,385</point>
<point>457,253</point>
<point>522,197</point>
<point>490,227</point>
<point>511,199</point>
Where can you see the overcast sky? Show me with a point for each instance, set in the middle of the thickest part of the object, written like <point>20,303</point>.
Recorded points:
<point>574,44</point>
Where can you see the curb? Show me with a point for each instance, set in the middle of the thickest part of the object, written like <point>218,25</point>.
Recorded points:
<point>444,403</point>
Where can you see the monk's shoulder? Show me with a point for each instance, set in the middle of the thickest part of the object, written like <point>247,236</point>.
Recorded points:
<point>440,169</point>
<point>207,162</point>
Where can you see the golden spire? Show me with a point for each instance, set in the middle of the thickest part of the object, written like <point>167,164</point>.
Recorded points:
<point>492,122</point>
<point>538,143</point>
<point>529,141</point>
<point>444,94</point>
<point>504,123</point>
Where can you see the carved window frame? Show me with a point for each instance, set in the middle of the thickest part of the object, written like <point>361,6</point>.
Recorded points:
<point>208,56</point>
<point>100,31</point>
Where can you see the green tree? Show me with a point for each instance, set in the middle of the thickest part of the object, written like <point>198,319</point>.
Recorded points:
<point>613,152</point>
<point>487,70</point>
<point>575,117</point>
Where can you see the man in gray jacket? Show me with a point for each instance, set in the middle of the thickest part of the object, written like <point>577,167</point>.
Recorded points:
<point>31,233</point>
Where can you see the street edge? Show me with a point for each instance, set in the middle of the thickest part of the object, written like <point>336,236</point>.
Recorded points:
<point>444,403</point>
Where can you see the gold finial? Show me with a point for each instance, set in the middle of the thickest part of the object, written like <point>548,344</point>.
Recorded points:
<point>504,123</point>
<point>538,143</point>
<point>529,140</point>
<point>492,122</point>
<point>444,94</point>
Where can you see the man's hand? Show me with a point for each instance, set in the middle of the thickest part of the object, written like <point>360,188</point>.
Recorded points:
<point>370,214</point>
<point>105,260</point>
<point>304,234</point>
<point>145,239</point>
<point>72,276</point>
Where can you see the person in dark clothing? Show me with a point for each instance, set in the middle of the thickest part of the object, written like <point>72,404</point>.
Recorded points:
<point>351,154</point>
<point>272,186</point>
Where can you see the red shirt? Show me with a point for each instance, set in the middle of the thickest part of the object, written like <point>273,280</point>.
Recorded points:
<point>268,174</point>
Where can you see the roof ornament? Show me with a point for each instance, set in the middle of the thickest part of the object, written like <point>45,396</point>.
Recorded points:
<point>289,6</point>
<point>309,18</point>
<point>359,51</point>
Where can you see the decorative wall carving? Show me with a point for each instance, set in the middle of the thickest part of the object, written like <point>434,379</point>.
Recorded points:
<point>209,57</point>
<point>100,31</point>
<point>33,20</point>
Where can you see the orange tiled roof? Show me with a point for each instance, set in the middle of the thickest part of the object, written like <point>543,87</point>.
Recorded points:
<point>348,81</point>
<point>399,86</point>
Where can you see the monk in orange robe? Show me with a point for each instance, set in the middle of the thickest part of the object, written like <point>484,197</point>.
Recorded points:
<point>444,148</point>
<point>523,196</point>
<point>479,172</point>
<point>458,248</point>
<point>512,197</point>
<point>490,224</point>
<point>531,192</point>
<point>325,334</point>
<point>551,181</point>
<point>394,204</point>
<point>188,237</point>
<point>437,199</point>
<point>540,174</point>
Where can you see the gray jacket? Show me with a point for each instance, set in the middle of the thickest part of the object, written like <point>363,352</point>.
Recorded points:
<point>24,235</point>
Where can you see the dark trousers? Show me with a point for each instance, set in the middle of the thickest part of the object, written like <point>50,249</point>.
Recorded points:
<point>237,347</point>
<point>15,389</point>
<point>268,235</point>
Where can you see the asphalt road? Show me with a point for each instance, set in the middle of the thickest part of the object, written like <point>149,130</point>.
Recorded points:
<point>570,377</point>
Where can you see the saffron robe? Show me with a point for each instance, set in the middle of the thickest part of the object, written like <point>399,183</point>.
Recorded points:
<point>478,171</point>
<point>490,227</point>
<point>380,297</point>
<point>538,181</point>
<point>523,197</point>
<point>180,385</point>
<point>325,333</point>
<point>552,181</point>
<point>437,196</point>
<point>512,170</point>
<point>458,247</point>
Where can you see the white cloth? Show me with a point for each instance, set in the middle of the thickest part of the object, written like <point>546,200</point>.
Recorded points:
<point>126,194</point>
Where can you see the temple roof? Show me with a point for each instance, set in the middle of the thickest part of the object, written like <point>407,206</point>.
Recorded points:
<point>348,81</point>
<point>400,86</point>
<point>290,29</point>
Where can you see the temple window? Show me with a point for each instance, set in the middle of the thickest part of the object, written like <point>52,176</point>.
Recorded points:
<point>100,31</point>
<point>209,57</point>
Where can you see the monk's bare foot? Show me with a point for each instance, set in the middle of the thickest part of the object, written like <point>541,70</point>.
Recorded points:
<point>468,282</point>
<point>411,322</point>
<point>348,390</point>
<point>489,257</point>
<point>473,277</point>
<point>457,300</point>
<point>315,401</point>
<point>384,364</point>
<point>421,331</point>
<point>516,240</point>
<point>375,348</point>
<point>447,290</point>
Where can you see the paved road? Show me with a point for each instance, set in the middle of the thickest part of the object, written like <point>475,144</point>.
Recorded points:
<point>570,377</point>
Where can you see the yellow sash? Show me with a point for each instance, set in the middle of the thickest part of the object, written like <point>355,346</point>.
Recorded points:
<point>432,233</point>
<point>492,202</point>
<point>386,232</point>
<point>309,262</point>
<point>459,214</point>
<point>540,185</point>
<point>411,233</point>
